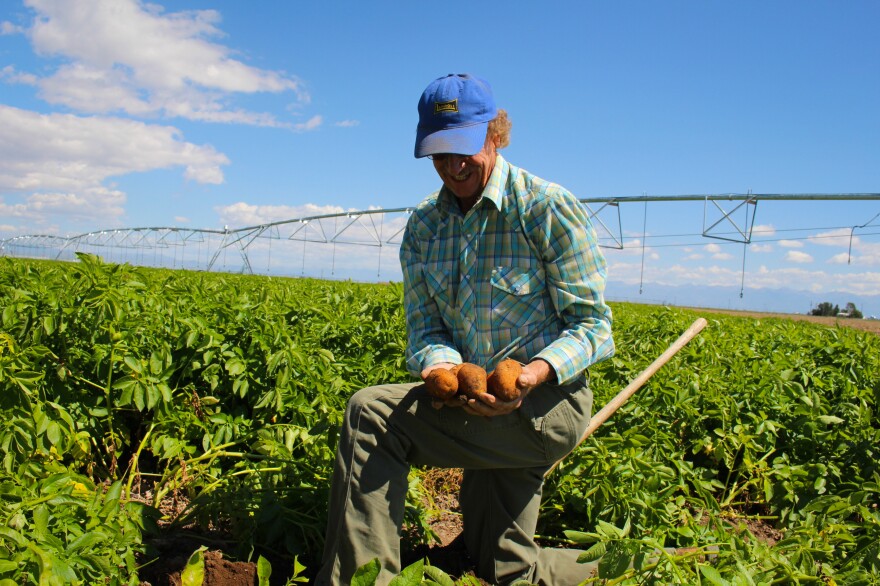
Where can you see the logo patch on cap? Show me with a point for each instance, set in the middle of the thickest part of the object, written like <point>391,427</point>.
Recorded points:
<point>451,106</point>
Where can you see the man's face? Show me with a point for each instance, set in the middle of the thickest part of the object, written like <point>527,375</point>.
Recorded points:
<point>466,175</point>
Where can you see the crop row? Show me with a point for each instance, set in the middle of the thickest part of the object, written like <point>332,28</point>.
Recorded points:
<point>124,388</point>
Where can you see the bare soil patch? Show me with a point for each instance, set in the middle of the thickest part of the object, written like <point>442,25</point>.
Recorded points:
<point>217,571</point>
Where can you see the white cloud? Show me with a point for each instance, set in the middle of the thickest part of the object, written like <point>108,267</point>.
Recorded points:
<point>839,237</point>
<point>125,55</point>
<point>840,259</point>
<point>716,252</point>
<point>791,244</point>
<point>694,256</point>
<point>864,283</point>
<point>631,248</point>
<point>60,163</point>
<point>797,256</point>
<point>242,214</point>
<point>7,28</point>
<point>10,74</point>
<point>181,219</point>
<point>764,230</point>
<point>82,206</point>
<point>863,254</point>
<point>347,123</point>
<point>310,124</point>
<point>761,248</point>
<point>815,281</point>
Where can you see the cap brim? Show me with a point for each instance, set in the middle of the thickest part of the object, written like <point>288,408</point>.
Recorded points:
<point>464,140</point>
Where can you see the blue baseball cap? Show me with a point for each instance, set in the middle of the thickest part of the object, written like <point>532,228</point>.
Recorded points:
<point>454,113</point>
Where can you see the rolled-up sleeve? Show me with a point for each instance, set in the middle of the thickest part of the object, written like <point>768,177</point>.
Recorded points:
<point>428,339</point>
<point>575,272</point>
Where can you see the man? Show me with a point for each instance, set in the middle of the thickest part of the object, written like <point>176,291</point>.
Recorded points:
<point>497,264</point>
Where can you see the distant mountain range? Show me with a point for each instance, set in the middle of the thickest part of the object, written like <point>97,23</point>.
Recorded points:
<point>769,300</point>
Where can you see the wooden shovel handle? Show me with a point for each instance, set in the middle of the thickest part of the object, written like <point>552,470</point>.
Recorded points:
<point>622,397</point>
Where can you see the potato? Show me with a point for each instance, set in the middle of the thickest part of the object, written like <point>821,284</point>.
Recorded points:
<point>471,380</point>
<point>502,381</point>
<point>442,384</point>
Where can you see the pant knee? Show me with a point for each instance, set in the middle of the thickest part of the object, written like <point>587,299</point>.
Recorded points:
<point>363,398</point>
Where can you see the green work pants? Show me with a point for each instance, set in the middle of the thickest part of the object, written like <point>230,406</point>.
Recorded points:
<point>387,428</point>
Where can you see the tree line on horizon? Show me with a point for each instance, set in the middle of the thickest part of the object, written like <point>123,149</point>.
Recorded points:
<point>826,308</point>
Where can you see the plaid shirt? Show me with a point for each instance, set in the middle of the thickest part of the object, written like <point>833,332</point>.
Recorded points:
<point>519,276</point>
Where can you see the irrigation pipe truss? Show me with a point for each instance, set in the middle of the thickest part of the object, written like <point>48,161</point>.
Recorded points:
<point>384,227</point>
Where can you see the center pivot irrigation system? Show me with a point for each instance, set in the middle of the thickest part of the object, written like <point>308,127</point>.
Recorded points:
<point>728,217</point>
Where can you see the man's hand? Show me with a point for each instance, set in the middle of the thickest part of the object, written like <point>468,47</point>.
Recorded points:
<point>536,372</point>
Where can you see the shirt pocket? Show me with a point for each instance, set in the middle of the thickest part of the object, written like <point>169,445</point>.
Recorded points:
<point>517,296</point>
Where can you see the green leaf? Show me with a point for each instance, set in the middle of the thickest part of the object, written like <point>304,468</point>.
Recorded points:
<point>438,576</point>
<point>829,419</point>
<point>264,571</point>
<point>114,492</point>
<point>367,574</point>
<point>49,324</point>
<point>152,396</point>
<point>615,561</point>
<point>139,397</point>
<point>53,433</point>
<point>580,537</point>
<point>41,521</point>
<point>155,363</point>
<point>13,536</point>
<point>235,367</point>
<point>298,569</point>
<point>410,576</point>
<point>609,530</point>
<point>194,572</point>
<point>86,540</point>
<point>65,500</point>
<point>713,576</point>
<point>593,554</point>
<point>133,363</point>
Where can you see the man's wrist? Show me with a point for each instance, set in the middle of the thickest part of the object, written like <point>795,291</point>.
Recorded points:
<point>543,370</point>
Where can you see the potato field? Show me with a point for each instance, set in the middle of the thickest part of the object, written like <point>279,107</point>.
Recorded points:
<point>139,404</point>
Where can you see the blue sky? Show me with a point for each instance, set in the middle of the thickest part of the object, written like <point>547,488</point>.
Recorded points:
<point>207,113</point>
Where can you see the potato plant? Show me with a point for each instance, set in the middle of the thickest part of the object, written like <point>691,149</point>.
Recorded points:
<point>122,388</point>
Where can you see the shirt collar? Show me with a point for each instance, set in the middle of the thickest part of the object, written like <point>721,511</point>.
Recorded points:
<point>493,192</point>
